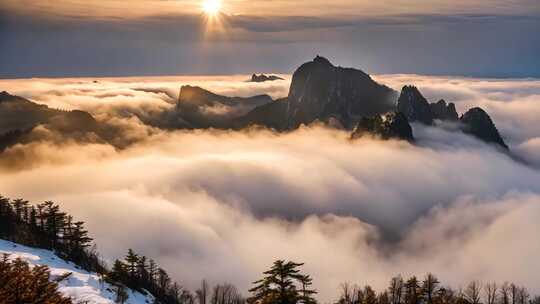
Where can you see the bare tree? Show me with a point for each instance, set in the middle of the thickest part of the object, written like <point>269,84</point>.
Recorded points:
<point>473,292</point>
<point>350,293</point>
<point>514,293</point>
<point>202,293</point>
<point>505,293</point>
<point>523,295</point>
<point>490,291</point>
<point>396,290</point>
<point>226,294</point>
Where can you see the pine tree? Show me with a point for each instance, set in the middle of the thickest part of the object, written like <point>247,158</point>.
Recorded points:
<point>280,285</point>
<point>131,261</point>
<point>412,291</point>
<point>142,270</point>
<point>306,293</point>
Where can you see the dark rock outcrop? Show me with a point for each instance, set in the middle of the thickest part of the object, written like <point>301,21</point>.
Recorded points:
<point>478,123</point>
<point>414,106</point>
<point>393,125</point>
<point>271,115</point>
<point>264,78</point>
<point>320,90</point>
<point>443,111</point>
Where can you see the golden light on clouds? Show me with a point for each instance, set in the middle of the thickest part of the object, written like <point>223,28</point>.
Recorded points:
<point>141,8</point>
<point>211,7</point>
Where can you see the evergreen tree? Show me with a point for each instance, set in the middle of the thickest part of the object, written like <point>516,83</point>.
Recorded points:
<point>412,291</point>
<point>280,285</point>
<point>131,262</point>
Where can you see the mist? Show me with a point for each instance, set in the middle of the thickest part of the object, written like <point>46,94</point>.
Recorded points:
<point>223,205</point>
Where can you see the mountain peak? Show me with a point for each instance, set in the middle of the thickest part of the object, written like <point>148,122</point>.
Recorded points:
<point>478,123</point>
<point>414,105</point>
<point>322,60</point>
<point>4,95</point>
<point>319,90</point>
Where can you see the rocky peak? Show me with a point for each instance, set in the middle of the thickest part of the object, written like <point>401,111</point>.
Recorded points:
<point>5,96</point>
<point>443,111</point>
<point>478,123</point>
<point>414,105</point>
<point>320,90</point>
<point>322,60</point>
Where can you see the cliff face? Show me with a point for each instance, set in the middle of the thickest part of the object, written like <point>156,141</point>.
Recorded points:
<point>320,90</point>
<point>414,106</point>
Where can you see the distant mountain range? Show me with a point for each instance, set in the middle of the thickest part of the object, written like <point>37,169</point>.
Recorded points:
<point>345,98</point>
<point>19,116</point>
<point>342,97</point>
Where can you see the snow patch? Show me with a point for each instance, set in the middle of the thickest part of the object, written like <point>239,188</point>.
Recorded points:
<point>81,286</point>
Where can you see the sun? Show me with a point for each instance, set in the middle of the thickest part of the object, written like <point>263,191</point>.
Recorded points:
<point>211,7</point>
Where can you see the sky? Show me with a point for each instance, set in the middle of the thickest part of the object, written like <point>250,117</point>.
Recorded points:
<point>68,38</point>
<point>223,205</point>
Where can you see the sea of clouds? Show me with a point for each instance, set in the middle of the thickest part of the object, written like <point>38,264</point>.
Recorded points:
<point>223,205</point>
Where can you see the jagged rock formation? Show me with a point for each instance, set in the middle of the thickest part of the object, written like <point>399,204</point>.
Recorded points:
<point>393,125</point>
<point>199,108</point>
<point>475,122</point>
<point>414,106</point>
<point>478,123</point>
<point>263,78</point>
<point>320,90</point>
<point>443,111</point>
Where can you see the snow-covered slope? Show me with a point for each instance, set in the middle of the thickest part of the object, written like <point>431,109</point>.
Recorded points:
<point>81,286</point>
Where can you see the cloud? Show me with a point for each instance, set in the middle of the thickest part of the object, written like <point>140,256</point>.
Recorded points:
<point>223,205</point>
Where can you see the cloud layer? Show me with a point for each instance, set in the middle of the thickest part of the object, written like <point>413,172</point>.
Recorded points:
<point>223,205</point>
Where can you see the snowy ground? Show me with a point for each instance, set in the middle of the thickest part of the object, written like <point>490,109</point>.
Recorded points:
<point>83,287</point>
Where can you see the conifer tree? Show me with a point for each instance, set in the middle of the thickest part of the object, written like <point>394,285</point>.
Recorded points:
<point>131,262</point>
<point>280,285</point>
<point>412,291</point>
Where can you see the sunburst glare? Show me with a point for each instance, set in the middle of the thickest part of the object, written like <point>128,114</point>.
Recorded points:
<point>212,7</point>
